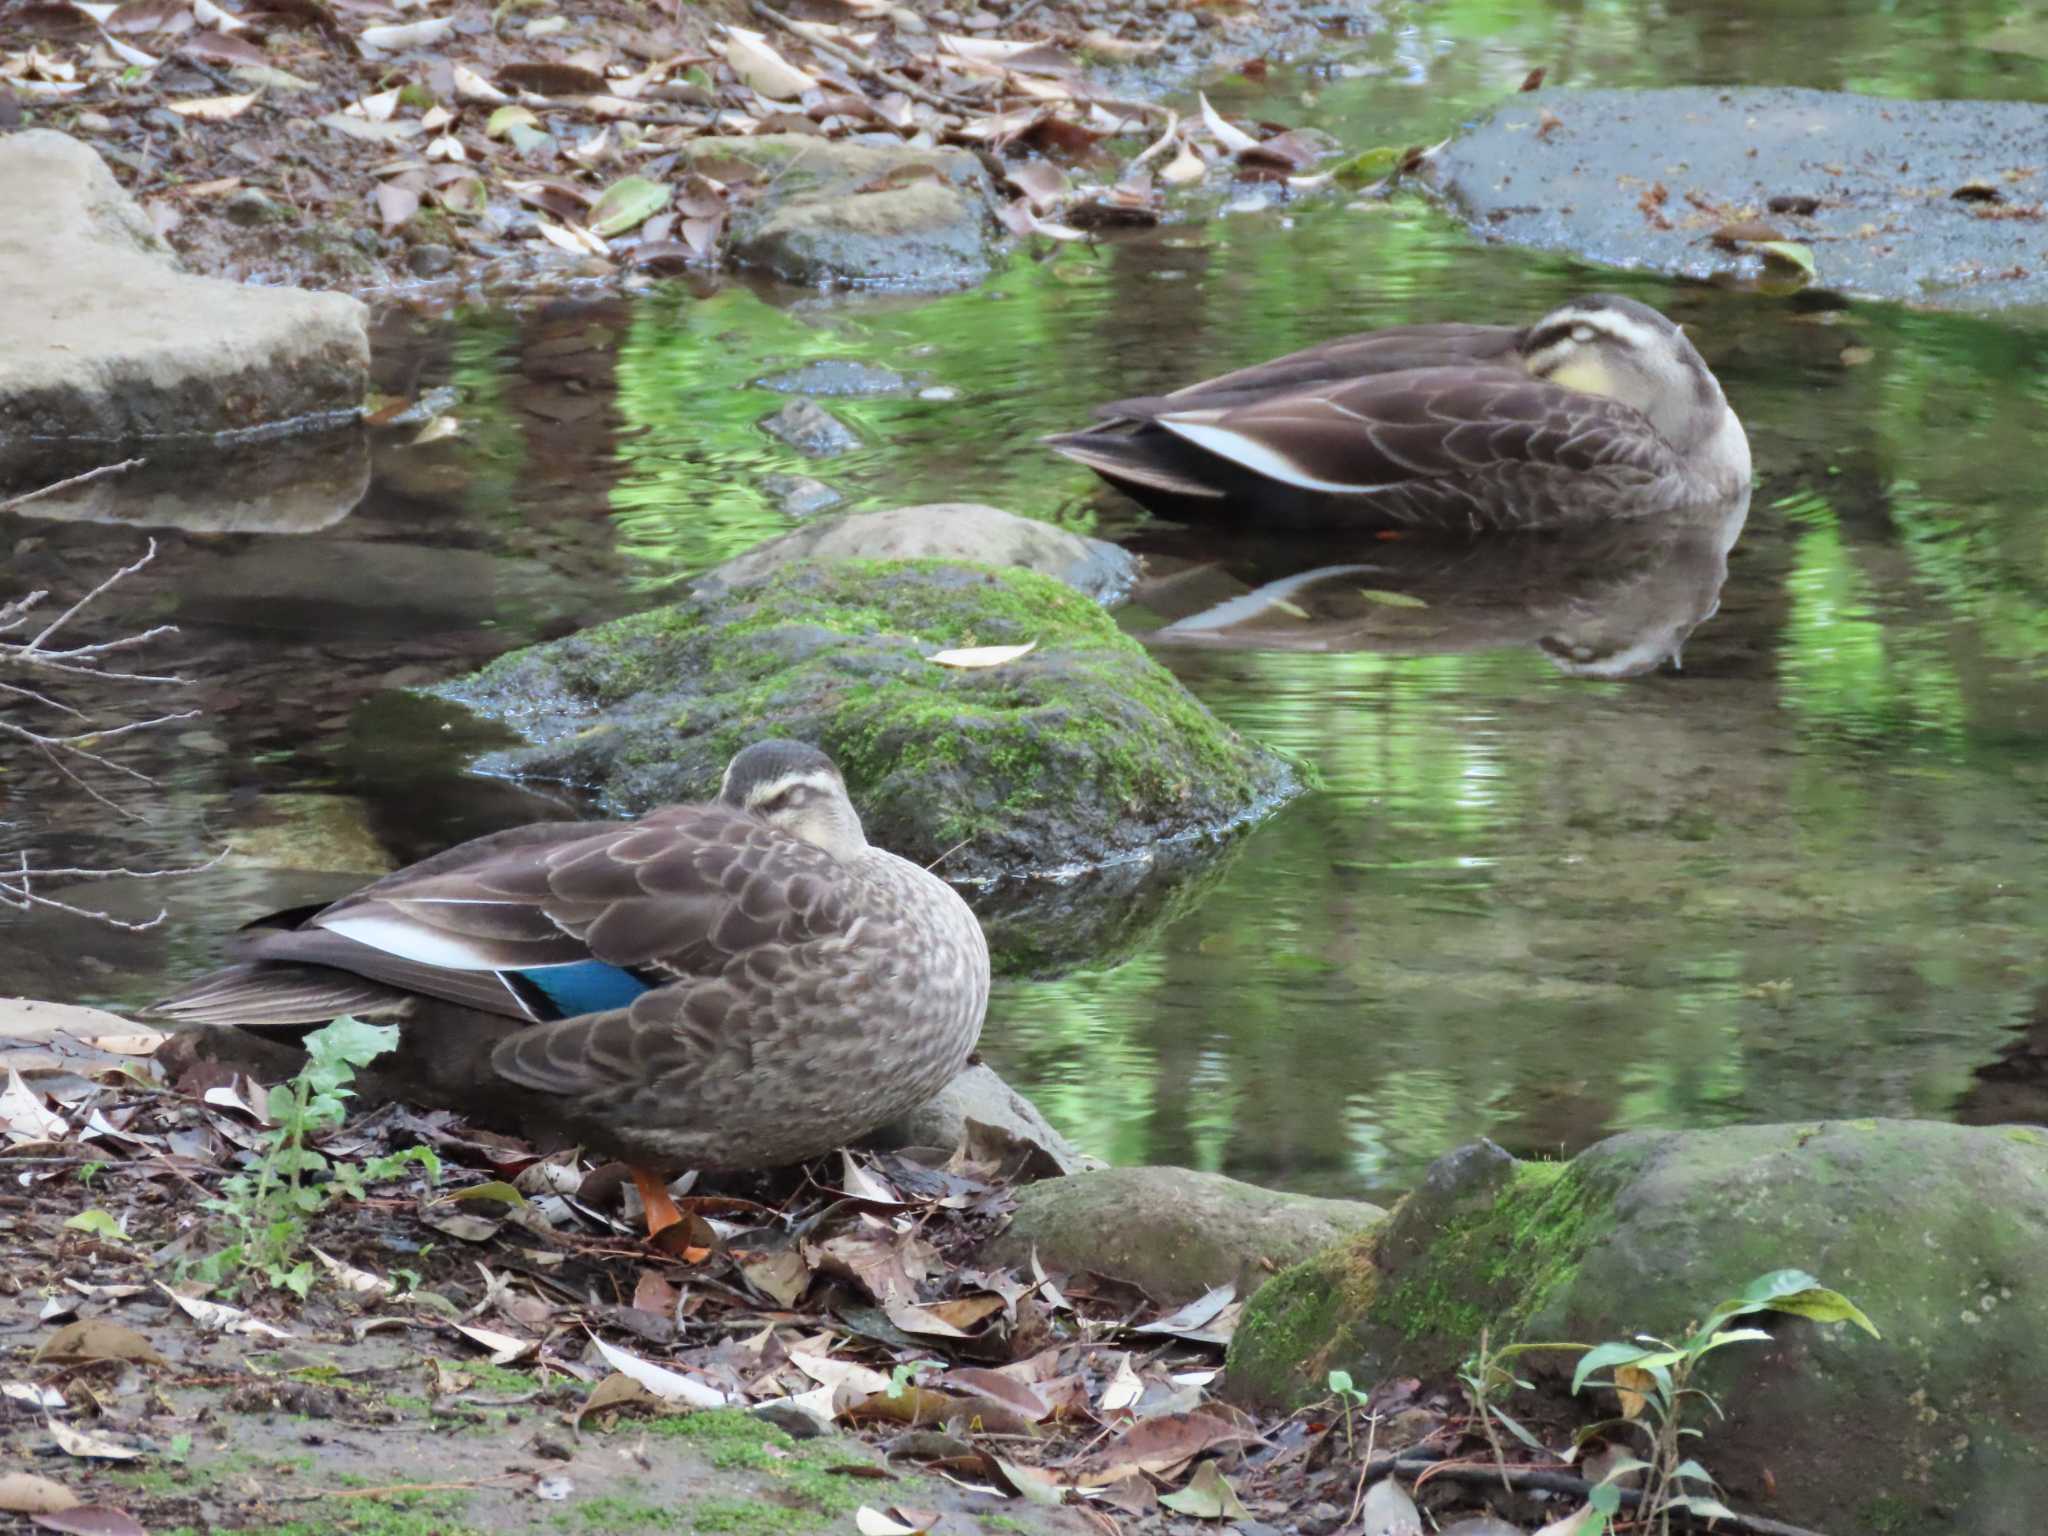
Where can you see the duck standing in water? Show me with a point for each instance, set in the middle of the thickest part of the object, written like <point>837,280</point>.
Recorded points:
<point>1601,411</point>
<point>740,984</point>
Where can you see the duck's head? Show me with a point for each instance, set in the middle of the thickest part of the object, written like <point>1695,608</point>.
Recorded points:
<point>795,787</point>
<point>1604,344</point>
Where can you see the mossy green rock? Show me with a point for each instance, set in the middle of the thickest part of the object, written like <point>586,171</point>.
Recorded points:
<point>1081,753</point>
<point>1175,1233</point>
<point>1938,1232</point>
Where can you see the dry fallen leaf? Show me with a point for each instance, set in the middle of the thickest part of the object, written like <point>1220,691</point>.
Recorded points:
<point>23,1493</point>
<point>970,657</point>
<point>411,34</point>
<point>669,1386</point>
<point>88,1446</point>
<point>214,109</point>
<point>762,69</point>
<point>95,1338</point>
<point>572,238</point>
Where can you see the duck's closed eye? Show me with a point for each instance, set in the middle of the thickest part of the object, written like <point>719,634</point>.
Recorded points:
<point>1583,333</point>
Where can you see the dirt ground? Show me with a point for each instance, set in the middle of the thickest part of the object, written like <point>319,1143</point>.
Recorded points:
<point>366,146</point>
<point>486,1345</point>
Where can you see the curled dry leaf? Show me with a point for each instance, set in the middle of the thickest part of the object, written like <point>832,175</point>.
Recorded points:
<point>762,69</point>
<point>218,1317</point>
<point>873,1522</point>
<point>358,1282</point>
<point>92,1520</point>
<point>1389,1511</point>
<point>23,1115</point>
<point>23,1493</point>
<point>410,34</point>
<point>571,238</point>
<point>1235,141</point>
<point>95,1338</point>
<point>504,1347</point>
<point>214,109</point>
<point>669,1386</point>
<point>396,204</point>
<point>88,1446</point>
<point>471,86</point>
<point>1209,1496</point>
<point>974,656</point>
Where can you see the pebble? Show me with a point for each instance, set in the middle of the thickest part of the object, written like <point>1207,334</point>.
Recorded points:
<point>810,429</point>
<point>800,495</point>
<point>429,260</point>
<point>251,209</point>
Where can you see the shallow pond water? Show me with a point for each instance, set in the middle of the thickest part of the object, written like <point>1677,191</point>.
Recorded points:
<point>1802,877</point>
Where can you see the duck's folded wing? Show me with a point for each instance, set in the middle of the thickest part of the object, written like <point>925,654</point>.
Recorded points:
<point>545,921</point>
<point>1391,431</point>
<point>658,892</point>
<point>1400,349</point>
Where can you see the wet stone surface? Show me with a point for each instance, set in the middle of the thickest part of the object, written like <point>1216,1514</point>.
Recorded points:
<point>1937,202</point>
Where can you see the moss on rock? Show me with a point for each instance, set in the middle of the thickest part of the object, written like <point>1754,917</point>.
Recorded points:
<point>1080,753</point>
<point>1936,1231</point>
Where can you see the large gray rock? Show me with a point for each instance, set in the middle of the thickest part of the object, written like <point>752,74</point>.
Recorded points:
<point>1884,172</point>
<point>826,212</point>
<point>1175,1233</point>
<point>300,485</point>
<point>1083,752</point>
<point>104,341</point>
<point>940,530</point>
<point>1938,1232</point>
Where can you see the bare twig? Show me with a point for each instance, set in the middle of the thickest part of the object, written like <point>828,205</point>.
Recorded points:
<point>64,485</point>
<point>68,614</point>
<point>17,889</point>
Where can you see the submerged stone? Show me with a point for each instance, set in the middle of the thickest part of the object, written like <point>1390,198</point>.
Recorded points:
<point>836,376</point>
<point>104,340</point>
<point>1933,1230</point>
<point>941,530</point>
<point>811,430</point>
<point>1887,195</point>
<point>1083,752</point>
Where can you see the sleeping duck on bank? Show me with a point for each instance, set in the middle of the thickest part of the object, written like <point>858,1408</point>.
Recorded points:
<point>1599,412</point>
<point>740,984</point>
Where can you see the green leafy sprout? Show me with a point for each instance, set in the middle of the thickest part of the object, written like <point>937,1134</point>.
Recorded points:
<point>270,1205</point>
<point>1653,1377</point>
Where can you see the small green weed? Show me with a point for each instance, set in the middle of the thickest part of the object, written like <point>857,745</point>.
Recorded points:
<point>1652,1377</point>
<point>270,1205</point>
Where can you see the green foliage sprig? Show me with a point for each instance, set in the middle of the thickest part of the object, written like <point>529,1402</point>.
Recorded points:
<point>270,1205</point>
<point>1653,1376</point>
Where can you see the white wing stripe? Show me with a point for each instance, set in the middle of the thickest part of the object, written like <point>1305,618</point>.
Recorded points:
<point>1257,457</point>
<point>409,941</point>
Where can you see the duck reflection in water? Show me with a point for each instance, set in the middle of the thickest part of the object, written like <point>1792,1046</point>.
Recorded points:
<point>1608,602</point>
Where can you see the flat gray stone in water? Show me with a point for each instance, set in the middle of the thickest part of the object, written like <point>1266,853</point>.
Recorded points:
<point>836,376</point>
<point>811,430</point>
<point>105,342</point>
<point>825,212</point>
<point>1175,1233</point>
<point>800,495</point>
<point>1884,173</point>
<point>941,530</point>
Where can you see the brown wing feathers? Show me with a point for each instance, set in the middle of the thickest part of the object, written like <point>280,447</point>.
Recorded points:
<point>678,894</point>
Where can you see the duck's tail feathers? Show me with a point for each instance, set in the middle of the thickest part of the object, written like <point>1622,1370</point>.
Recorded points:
<point>1127,457</point>
<point>264,994</point>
